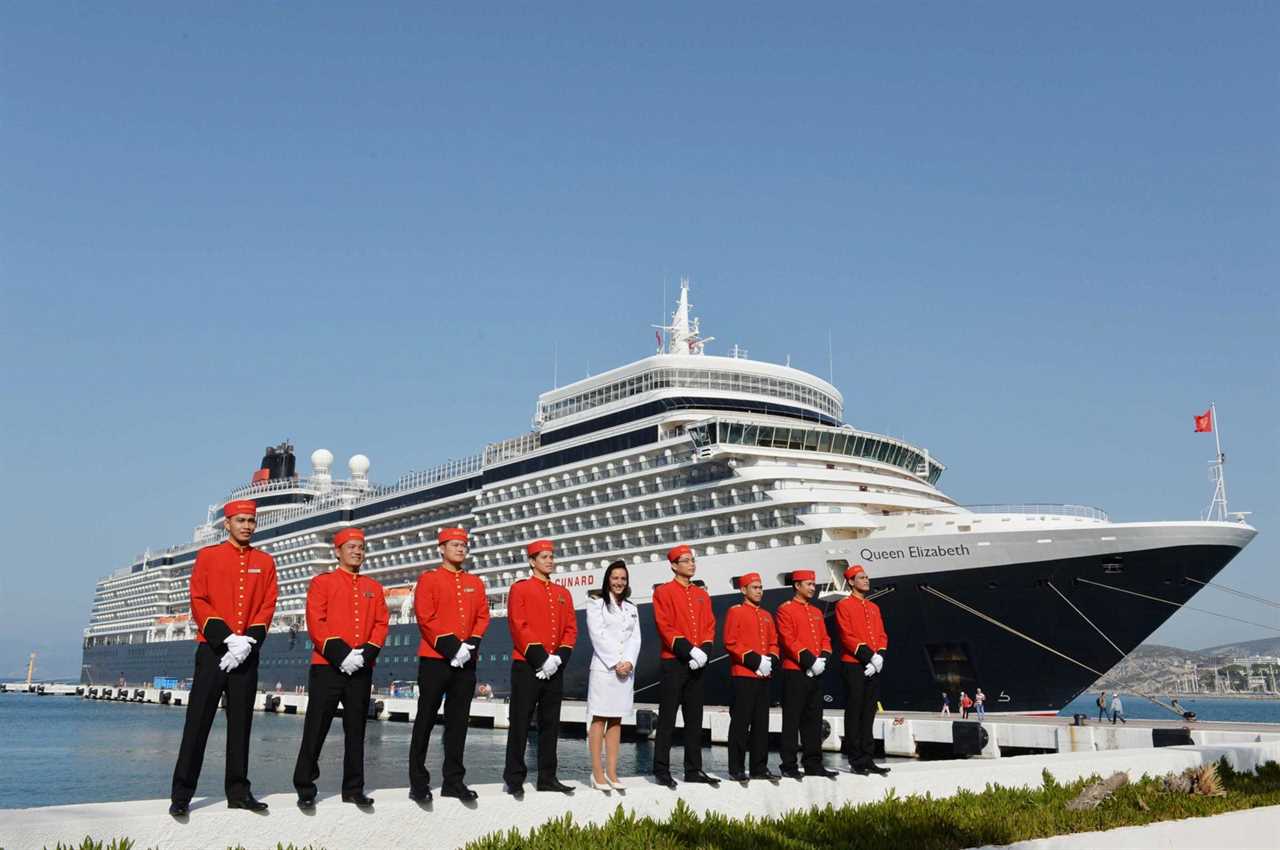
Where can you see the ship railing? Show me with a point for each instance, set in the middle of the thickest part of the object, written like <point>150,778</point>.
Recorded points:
<point>1030,509</point>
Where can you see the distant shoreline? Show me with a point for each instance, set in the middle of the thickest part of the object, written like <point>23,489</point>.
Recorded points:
<point>1180,695</point>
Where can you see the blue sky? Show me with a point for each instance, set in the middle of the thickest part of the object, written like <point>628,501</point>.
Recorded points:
<point>1041,239</point>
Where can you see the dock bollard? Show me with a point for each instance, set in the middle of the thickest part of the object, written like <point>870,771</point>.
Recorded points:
<point>270,703</point>
<point>80,691</point>
<point>165,697</point>
<point>139,695</point>
<point>122,693</point>
<point>375,708</point>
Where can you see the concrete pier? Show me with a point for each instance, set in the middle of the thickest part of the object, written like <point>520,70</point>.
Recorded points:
<point>398,822</point>
<point>903,734</point>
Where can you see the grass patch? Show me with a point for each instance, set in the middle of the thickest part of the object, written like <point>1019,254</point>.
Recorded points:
<point>88,843</point>
<point>997,815</point>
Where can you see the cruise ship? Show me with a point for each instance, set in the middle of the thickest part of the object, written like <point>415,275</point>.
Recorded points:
<point>750,463</point>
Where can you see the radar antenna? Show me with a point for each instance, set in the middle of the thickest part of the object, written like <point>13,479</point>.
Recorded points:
<point>684,336</point>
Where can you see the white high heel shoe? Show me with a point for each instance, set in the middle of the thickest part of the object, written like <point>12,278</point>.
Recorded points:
<point>617,785</point>
<point>606,787</point>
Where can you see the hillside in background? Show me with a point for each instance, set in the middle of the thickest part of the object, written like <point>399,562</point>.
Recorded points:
<point>1156,669</point>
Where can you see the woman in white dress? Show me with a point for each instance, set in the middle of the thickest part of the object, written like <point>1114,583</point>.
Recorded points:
<point>614,626</point>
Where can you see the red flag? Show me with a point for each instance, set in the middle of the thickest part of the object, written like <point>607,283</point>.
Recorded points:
<point>1204,422</point>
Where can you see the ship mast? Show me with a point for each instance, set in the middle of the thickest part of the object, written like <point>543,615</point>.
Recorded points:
<point>684,336</point>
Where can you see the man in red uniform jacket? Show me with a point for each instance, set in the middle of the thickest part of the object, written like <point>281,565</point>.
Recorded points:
<point>233,597</point>
<point>864,643</point>
<point>686,630</point>
<point>347,620</point>
<point>752,643</point>
<point>806,648</point>
<point>453,615</point>
<point>544,627</point>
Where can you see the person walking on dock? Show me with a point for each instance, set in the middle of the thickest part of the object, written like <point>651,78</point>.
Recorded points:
<point>946,704</point>
<point>544,628</point>
<point>980,704</point>
<point>965,704</point>
<point>806,649</point>
<point>452,610</point>
<point>614,626</point>
<point>347,620</point>
<point>233,598</point>
<point>864,642</point>
<point>1102,706</point>
<point>1117,709</point>
<point>751,639</point>
<point>686,631</point>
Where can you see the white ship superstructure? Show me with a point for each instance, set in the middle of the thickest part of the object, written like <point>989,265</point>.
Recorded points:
<point>748,462</point>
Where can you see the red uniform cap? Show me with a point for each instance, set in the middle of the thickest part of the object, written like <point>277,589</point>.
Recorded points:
<point>674,554</point>
<point>853,571</point>
<point>447,534</point>
<point>540,546</point>
<point>747,579</point>
<point>803,575</point>
<point>240,506</point>
<point>347,534</point>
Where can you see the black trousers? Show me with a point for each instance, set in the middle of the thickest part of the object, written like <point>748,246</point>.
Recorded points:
<point>749,724</point>
<point>208,684</point>
<point>681,689</point>
<point>455,686</point>
<point>326,687</point>
<point>861,694</point>
<point>529,694</point>
<point>801,718</point>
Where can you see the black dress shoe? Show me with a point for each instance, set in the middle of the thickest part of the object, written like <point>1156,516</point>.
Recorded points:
<point>877,769</point>
<point>739,776</point>
<point>423,797</point>
<point>554,785</point>
<point>791,772</point>
<point>460,792</point>
<point>702,777</point>
<point>306,803</point>
<point>358,798</point>
<point>665,780</point>
<point>766,774</point>
<point>860,770</point>
<point>823,772</point>
<point>515,789</point>
<point>179,810</point>
<point>248,803</point>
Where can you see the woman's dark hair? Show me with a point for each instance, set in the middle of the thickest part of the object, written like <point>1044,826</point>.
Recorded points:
<point>604,592</point>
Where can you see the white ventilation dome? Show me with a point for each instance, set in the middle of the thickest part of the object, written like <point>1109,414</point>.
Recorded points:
<point>359,466</point>
<point>321,459</point>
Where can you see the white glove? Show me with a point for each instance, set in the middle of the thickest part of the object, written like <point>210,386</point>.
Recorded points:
<point>353,662</point>
<point>878,661</point>
<point>818,667</point>
<point>693,664</point>
<point>869,671</point>
<point>240,646</point>
<point>462,656</point>
<point>228,662</point>
<point>551,665</point>
<point>765,668</point>
<point>540,674</point>
<point>696,654</point>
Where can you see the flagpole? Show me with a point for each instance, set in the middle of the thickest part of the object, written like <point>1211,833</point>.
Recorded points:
<point>1222,461</point>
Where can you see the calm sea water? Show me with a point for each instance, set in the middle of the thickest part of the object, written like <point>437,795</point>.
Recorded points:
<point>1242,710</point>
<point>57,750</point>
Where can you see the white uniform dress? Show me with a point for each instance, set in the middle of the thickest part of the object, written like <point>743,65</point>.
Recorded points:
<point>615,637</point>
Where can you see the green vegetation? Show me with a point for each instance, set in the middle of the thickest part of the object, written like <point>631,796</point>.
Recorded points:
<point>995,816</point>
